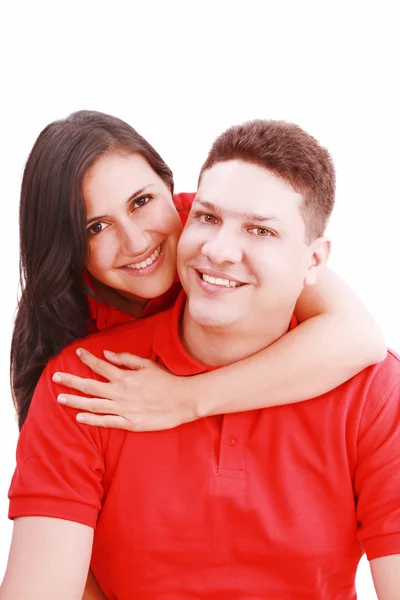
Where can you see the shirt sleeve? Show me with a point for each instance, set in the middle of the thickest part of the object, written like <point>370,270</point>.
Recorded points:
<point>377,480</point>
<point>183,203</point>
<point>60,462</point>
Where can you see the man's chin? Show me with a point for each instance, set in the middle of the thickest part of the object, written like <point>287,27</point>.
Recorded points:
<point>207,318</point>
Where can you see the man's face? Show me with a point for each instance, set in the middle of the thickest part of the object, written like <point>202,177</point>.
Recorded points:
<point>243,256</point>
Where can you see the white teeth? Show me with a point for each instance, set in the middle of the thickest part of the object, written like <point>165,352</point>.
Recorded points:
<point>219,281</point>
<point>146,263</point>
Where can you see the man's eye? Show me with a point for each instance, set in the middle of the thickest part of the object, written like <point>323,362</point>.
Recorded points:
<point>141,201</point>
<point>206,218</point>
<point>96,228</point>
<point>262,232</point>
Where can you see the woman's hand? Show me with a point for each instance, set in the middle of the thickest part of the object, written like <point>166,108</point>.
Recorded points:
<point>146,397</point>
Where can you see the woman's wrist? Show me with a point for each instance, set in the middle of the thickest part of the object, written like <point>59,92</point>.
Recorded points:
<point>196,397</point>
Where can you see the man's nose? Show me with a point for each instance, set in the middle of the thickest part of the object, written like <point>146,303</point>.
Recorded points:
<point>222,246</point>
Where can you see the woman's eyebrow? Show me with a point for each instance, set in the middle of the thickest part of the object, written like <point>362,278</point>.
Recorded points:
<point>131,197</point>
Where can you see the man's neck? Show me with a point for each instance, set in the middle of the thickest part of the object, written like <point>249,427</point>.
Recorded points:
<point>225,345</point>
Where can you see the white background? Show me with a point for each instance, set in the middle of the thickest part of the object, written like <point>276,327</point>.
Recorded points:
<point>181,73</point>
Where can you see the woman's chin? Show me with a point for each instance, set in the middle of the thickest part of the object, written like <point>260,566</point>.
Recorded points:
<point>148,289</point>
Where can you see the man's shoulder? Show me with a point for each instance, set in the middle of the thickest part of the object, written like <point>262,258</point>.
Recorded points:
<point>388,370</point>
<point>377,385</point>
<point>135,337</point>
<point>380,376</point>
<point>392,359</point>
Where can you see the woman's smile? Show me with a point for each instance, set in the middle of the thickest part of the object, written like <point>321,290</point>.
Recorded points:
<point>148,265</point>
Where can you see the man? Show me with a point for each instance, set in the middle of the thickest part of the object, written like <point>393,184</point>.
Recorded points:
<point>276,503</point>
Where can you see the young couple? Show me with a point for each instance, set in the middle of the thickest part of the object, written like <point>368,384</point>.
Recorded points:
<point>247,501</point>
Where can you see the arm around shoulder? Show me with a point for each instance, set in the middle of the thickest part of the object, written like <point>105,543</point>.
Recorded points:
<point>336,339</point>
<point>345,317</point>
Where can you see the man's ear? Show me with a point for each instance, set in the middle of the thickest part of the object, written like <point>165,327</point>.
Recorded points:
<point>320,250</point>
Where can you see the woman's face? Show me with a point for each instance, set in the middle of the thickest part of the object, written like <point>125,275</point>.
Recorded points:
<point>132,226</point>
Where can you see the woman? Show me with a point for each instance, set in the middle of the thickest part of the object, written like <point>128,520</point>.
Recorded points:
<point>110,245</point>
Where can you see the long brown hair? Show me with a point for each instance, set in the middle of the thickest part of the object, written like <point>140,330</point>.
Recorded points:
<point>53,309</point>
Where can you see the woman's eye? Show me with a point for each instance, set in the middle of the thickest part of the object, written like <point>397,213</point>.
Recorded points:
<point>96,228</point>
<point>141,201</point>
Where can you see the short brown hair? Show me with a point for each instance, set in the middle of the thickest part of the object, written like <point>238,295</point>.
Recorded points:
<point>291,154</point>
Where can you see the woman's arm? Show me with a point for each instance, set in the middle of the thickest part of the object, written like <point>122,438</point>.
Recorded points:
<point>49,558</point>
<point>92,589</point>
<point>336,339</point>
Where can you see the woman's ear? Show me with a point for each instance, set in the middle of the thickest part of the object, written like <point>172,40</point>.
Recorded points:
<point>320,250</point>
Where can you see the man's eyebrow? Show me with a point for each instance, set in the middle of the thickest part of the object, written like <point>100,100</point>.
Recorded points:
<point>131,197</point>
<point>244,216</point>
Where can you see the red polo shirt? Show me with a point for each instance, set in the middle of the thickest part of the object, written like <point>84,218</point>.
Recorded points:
<point>276,503</point>
<point>103,315</point>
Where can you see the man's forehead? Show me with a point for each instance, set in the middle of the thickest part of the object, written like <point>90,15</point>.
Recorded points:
<point>246,187</point>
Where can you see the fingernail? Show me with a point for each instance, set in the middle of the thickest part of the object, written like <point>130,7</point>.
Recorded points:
<point>80,418</point>
<point>109,353</point>
<point>57,378</point>
<point>79,351</point>
<point>62,399</point>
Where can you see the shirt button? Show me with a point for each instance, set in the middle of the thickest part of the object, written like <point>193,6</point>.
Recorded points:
<point>231,440</point>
